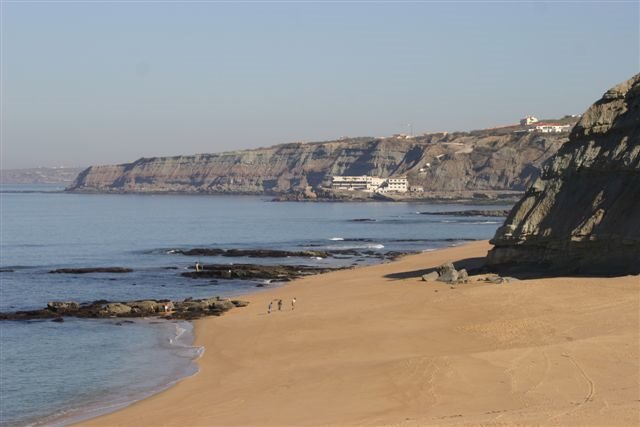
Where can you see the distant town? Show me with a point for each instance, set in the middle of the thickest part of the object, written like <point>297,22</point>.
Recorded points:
<point>527,124</point>
<point>380,185</point>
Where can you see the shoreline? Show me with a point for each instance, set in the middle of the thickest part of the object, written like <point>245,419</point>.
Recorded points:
<point>376,346</point>
<point>181,338</point>
<point>502,197</point>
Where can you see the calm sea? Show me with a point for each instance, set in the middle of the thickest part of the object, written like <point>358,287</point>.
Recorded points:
<point>55,373</point>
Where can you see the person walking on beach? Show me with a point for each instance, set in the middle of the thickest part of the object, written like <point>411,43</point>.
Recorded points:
<point>269,309</point>
<point>293,304</point>
<point>279,305</point>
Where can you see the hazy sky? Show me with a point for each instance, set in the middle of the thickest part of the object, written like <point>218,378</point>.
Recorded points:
<point>108,82</point>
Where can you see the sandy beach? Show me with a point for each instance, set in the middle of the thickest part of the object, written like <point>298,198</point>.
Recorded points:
<point>376,346</point>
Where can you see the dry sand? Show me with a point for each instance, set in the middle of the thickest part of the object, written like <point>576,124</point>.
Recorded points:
<point>366,347</point>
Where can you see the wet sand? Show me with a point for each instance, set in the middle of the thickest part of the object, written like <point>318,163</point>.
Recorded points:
<point>375,346</point>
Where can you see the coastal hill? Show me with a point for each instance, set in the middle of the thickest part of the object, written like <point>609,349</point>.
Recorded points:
<point>583,214</point>
<point>43,175</point>
<point>485,161</point>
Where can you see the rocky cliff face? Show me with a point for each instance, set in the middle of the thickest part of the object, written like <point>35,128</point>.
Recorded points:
<point>440,162</point>
<point>583,214</point>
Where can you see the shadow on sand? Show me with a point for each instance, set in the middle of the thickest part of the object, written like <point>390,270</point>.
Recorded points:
<point>476,266</point>
<point>470,264</point>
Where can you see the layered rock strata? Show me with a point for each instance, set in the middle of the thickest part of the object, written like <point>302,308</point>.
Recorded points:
<point>457,162</point>
<point>583,214</point>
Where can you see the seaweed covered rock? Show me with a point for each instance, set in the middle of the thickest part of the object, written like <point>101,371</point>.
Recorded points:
<point>188,309</point>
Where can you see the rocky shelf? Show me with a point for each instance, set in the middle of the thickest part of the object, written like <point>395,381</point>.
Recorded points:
<point>189,309</point>
<point>283,273</point>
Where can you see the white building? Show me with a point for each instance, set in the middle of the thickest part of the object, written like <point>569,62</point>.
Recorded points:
<point>397,185</point>
<point>551,128</point>
<point>370,184</point>
<point>356,183</point>
<point>527,120</point>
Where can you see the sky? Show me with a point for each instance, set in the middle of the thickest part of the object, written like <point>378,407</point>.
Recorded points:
<point>101,82</point>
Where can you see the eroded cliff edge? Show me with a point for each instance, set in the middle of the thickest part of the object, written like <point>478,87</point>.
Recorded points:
<point>582,215</point>
<point>492,160</point>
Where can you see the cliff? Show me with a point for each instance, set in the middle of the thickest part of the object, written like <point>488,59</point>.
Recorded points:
<point>476,161</point>
<point>583,214</point>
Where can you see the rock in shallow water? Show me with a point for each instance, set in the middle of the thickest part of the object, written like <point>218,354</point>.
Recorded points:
<point>255,271</point>
<point>188,309</point>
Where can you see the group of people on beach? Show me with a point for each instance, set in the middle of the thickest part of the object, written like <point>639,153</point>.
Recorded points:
<point>279,302</point>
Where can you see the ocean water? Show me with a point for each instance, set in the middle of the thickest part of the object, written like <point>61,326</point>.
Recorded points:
<point>56,373</point>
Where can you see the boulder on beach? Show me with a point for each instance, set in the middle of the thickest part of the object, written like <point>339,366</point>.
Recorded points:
<point>429,277</point>
<point>447,273</point>
<point>463,276</point>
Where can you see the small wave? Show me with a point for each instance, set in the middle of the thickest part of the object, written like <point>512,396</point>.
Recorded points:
<point>179,332</point>
<point>90,409</point>
<point>337,238</point>
<point>470,222</point>
<point>363,246</point>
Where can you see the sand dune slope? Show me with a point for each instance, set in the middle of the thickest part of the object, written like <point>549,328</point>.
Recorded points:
<point>377,347</point>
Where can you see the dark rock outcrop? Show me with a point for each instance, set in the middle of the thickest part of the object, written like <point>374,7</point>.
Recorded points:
<point>63,307</point>
<point>255,271</point>
<point>583,214</point>
<point>188,309</point>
